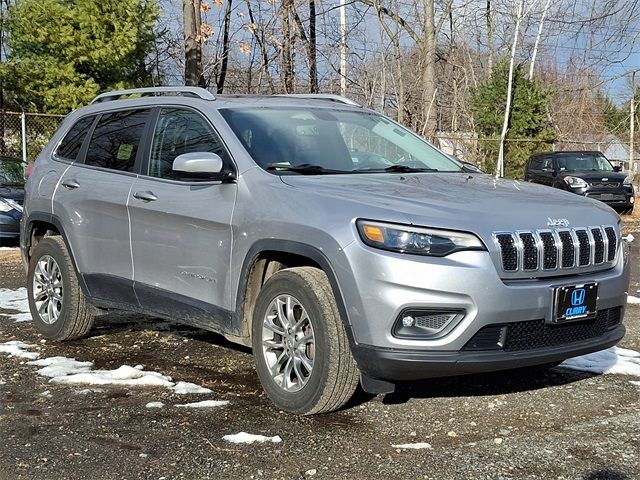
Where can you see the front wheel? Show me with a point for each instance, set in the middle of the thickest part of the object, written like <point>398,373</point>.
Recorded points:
<point>300,344</point>
<point>58,306</point>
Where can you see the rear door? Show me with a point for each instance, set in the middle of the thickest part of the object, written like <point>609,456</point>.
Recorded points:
<point>91,201</point>
<point>181,230</point>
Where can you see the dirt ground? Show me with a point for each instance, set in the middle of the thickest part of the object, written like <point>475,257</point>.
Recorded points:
<point>558,424</point>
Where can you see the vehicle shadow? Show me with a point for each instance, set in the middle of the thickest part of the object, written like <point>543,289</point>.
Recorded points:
<point>495,383</point>
<point>606,474</point>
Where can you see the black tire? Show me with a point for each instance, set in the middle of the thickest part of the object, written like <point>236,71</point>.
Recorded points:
<point>76,315</point>
<point>334,376</point>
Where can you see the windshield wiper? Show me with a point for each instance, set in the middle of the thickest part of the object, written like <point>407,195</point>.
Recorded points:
<point>408,169</point>
<point>304,169</point>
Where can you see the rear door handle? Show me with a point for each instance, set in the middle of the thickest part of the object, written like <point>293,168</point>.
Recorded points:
<point>70,184</point>
<point>145,196</point>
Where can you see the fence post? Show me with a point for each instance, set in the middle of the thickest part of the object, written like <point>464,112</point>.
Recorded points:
<point>23,119</point>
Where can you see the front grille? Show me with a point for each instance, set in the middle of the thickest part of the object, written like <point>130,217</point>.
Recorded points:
<point>568,250</point>
<point>530,251</point>
<point>585,249</point>
<point>508,251</point>
<point>561,248</point>
<point>605,184</point>
<point>598,253</point>
<point>535,334</point>
<point>612,240</point>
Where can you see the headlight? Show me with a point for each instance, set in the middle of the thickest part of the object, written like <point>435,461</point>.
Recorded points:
<point>627,181</point>
<point>416,240</point>
<point>575,182</point>
<point>4,206</point>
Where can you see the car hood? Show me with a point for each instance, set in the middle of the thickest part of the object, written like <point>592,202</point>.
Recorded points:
<point>13,192</point>
<point>471,202</point>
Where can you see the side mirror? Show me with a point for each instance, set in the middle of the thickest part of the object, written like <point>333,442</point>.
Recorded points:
<point>617,168</point>
<point>201,166</point>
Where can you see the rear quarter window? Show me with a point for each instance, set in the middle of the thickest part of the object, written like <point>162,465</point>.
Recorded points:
<point>72,142</point>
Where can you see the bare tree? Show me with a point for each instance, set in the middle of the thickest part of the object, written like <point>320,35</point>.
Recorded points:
<point>192,21</point>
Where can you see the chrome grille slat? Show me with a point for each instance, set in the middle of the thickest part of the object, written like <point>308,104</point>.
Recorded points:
<point>563,248</point>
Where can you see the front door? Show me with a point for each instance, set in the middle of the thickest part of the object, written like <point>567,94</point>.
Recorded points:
<point>181,230</point>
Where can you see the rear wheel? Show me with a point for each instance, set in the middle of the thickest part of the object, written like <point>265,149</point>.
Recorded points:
<point>58,306</point>
<point>300,344</point>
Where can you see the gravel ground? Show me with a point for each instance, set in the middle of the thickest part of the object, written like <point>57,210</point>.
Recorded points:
<point>556,424</point>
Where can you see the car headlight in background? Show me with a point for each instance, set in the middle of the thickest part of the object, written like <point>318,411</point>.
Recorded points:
<point>6,205</point>
<point>416,240</point>
<point>627,181</point>
<point>575,182</point>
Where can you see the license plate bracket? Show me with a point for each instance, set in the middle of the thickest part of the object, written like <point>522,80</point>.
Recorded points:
<point>575,302</point>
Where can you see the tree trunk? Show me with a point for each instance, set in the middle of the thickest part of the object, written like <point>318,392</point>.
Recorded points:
<point>192,47</point>
<point>429,87</point>
<point>538,37</point>
<point>225,48</point>
<point>313,47</point>
<point>287,69</point>
<point>490,47</point>
<point>507,110</point>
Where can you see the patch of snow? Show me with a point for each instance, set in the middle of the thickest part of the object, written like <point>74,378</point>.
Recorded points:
<point>46,394</point>
<point>613,360</point>
<point>8,248</point>
<point>2,381</point>
<point>413,446</point>
<point>16,348</point>
<point>244,437</point>
<point>186,387</point>
<point>125,376</point>
<point>204,404</point>
<point>629,238</point>
<point>633,382</point>
<point>154,405</point>
<point>60,366</point>
<point>633,300</point>
<point>14,299</point>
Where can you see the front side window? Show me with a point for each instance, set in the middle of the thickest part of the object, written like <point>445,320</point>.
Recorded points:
<point>332,141</point>
<point>73,140</point>
<point>180,131</point>
<point>115,140</point>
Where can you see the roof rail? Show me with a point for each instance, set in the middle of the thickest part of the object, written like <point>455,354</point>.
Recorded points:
<point>322,96</point>
<point>186,91</point>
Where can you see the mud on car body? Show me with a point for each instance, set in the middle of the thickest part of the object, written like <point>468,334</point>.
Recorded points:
<point>340,246</point>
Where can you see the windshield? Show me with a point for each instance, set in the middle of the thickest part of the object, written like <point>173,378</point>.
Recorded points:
<point>11,172</point>
<point>583,162</point>
<point>318,140</point>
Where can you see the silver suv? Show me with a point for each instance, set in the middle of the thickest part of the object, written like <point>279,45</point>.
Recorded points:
<point>340,246</point>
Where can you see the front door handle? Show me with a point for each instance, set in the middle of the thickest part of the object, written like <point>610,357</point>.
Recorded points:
<point>70,184</point>
<point>145,196</point>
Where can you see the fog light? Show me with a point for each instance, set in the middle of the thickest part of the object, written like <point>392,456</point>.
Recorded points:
<point>408,321</point>
<point>631,199</point>
<point>418,323</point>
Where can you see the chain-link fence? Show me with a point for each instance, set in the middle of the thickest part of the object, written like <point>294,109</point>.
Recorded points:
<point>23,135</point>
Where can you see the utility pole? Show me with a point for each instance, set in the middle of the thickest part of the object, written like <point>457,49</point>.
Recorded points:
<point>343,48</point>
<point>632,124</point>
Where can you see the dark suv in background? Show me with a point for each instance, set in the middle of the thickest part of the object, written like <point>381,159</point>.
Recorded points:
<point>586,173</point>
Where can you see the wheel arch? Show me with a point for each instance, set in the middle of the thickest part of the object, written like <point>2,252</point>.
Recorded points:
<point>258,266</point>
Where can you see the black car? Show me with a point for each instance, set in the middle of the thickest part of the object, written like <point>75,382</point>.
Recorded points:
<point>11,197</point>
<point>586,173</point>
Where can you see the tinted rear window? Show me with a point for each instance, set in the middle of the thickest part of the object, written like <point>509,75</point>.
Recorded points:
<point>115,140</point>
<point>72,141</point>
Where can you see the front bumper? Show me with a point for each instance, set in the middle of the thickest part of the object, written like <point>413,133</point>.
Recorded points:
<point>400,364</point>
<point>379,286</point>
